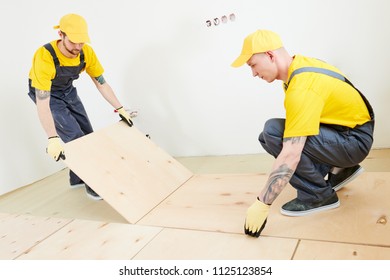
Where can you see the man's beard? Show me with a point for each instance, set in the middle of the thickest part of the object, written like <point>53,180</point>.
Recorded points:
<point>74,51</point>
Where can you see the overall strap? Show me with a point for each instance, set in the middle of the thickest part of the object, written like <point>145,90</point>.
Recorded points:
<point>50,48</point>
<point>331,74</point>
<point>316,70</point>
<point>82,60</point>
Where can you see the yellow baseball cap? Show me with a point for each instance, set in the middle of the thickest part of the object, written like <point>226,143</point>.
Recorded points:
<point>75,27</point>
<point>258,42</point>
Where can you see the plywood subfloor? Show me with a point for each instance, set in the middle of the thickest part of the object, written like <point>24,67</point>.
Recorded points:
<point>20,233</point>
<point>176,244</point>
<point>203,219</point>
<point>211,202</point>
<point>218,203</point>
<point>362,218</point>
<point>318,250</point>
<point>89,240</point>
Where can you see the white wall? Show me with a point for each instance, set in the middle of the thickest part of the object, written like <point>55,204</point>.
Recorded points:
<point>162,59</point>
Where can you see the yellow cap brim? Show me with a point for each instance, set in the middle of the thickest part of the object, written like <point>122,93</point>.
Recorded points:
<point>79,38</point>
<point>241,60</point>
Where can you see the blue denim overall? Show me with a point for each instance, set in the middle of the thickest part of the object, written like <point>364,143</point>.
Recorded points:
<point>334,146</point>
<point>70,118</point>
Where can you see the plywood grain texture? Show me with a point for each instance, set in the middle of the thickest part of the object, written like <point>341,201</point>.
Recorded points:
<point>201,217</point>
<point>175,244</point>
<point>213,202</point>
<point>317,250</point>
<point>219,202</point>
<point>363,216</point>
<point>89,240</point>
<point>19,233</point>
<point>126,169</point>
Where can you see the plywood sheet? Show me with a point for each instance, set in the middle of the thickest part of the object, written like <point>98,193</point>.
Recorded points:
<point>125,168</point>
<point>18,233</point>
<point>219,203</point>
<point>90,240</point>
<point>363,216</point>
<point>174,244</point>
<point>317,250</point>
<point>214,202</point>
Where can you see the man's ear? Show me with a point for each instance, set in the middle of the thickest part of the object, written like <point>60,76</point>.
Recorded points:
<point>271,55</point>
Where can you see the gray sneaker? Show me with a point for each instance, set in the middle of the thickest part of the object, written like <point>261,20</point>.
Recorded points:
<point>91,193</point>
<point>339,180</point>
<point>298,208</point>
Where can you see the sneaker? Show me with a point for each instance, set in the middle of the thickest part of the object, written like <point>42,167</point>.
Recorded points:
<point>78,185</point>
<point>91,193</point>
<point>299,208</point>
<point>339,180</point>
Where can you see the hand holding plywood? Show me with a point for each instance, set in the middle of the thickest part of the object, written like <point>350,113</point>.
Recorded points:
<point>126,169</point>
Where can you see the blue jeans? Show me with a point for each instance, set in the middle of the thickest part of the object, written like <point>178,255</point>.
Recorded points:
<point>70,119</point>
<point>334,146</point>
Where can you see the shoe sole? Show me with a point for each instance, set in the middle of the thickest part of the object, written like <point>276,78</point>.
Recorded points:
<point>91,196</point>
<point>349,179</point>
<point>94,197</point>
<point>77,186</point>
<point>311,211</point>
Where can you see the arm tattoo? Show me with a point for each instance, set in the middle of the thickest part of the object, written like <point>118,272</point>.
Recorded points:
<point>42,94</point>
<point>100,79</point>
<point>277,180</point>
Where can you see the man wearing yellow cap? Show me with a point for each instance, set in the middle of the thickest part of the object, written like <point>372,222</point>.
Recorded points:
<point>327,132</point>
<point>54,68</point>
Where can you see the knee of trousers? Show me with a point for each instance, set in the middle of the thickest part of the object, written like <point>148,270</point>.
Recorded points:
<point>271,137</point>
<point>273,129</point>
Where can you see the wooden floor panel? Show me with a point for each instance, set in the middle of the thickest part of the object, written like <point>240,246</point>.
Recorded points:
<point>361,218</point>
<point>156,208</point>
<point>174,244</point>
<point>125,168</point>
<point>219,202</point>
<point>19,233</point>
<point>212,202</point>
<point>317,250</point>
<point>90,240</point>
<point>203,219</point>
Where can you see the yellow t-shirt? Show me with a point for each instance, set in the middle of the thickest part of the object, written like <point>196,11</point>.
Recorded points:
<point>314,98</point>
<point>43,70</point>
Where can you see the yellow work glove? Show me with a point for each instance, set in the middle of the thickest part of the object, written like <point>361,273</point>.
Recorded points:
<point>256,218</point>
<point>55,149</point>
<point>124,116</point>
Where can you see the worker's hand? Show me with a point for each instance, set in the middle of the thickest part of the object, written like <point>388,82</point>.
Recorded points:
<point>55,149</point>
<point>124,116</point>
<point>256,218</point>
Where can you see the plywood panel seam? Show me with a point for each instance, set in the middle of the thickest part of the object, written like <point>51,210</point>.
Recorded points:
<point>209,231</point>
<point>295,249</point>
<point>147,243</point>
<point>43,239</point>
<point>165,198</point>
<point>345,243</point>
